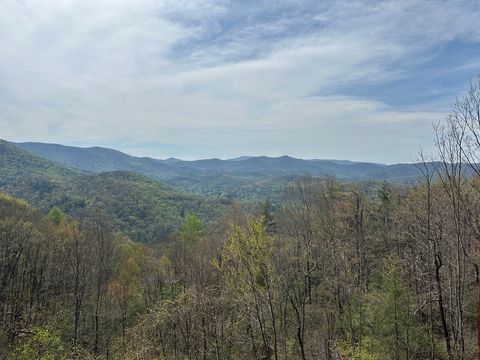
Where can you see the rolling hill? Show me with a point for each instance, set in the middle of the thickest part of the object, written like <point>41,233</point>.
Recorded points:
<point>145,209</point>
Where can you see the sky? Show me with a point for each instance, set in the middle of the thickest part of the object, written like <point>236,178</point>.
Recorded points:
<point>357,79</point>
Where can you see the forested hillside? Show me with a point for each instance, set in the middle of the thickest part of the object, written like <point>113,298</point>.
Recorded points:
<point>145,209</point>
<point>335,273</point>
<point>31,177</point>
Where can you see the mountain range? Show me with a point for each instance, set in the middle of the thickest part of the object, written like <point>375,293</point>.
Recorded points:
<point>98,159</point>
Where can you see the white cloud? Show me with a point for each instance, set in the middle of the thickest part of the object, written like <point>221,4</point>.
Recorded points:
<point>220,78</point>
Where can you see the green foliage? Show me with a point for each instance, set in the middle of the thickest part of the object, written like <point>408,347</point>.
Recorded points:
<point>56,215</point>
<point>384,192</point>
<point>267,213</point>
<point>41,344</point>
<point>191,230</point>
<point>394,329</point>
<point>355,353</point>
<point>245,257</point>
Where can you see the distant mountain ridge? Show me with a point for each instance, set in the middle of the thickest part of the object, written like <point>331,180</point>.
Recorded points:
<point>98,159</point>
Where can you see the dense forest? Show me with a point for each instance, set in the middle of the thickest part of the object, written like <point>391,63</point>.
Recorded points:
<point>335,271</point>
<point>144,209</point>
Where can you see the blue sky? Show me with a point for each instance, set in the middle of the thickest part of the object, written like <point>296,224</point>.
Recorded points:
<point>359,80</point>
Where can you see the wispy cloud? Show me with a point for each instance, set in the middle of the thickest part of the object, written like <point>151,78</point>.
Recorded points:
<point>225,78</point>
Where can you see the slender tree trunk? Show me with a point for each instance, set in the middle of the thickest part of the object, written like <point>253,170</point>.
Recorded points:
<point>441,307</point>
<point>97,316</point>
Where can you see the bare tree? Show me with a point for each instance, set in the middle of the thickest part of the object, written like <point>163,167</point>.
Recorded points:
<point>458,144</point>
